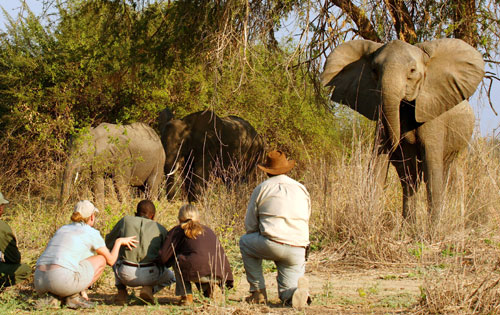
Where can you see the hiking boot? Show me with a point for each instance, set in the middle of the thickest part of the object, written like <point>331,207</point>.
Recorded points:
<point>147,294</point>
<point>121,297</point>
<point>301,295</point>
<point>76,301</point>
<point>186,300</point>
<point>257,297</point>
<point>47,300</point>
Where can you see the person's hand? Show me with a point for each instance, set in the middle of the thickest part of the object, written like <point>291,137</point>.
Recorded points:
<point>128,241</point>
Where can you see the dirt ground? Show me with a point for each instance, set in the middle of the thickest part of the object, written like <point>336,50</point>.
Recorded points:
<point>336,288</point>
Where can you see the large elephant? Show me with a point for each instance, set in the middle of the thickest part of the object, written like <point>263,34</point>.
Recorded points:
<point>418,96</point>
<point>228,148</point>
<point>164,117</point>
<point>131,154</point>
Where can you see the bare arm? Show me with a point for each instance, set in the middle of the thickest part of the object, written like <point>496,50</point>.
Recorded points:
<point>112,256</point>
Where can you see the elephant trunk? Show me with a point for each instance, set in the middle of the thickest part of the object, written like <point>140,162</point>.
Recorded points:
<point>67,181</point>
<point>392,94</point>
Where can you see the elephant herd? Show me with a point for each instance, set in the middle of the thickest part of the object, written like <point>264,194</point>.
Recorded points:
<point>201,145</point>
<point>417,94</point>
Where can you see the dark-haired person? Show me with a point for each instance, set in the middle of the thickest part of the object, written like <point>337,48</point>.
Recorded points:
<point>277,229</point>
<point>74,259</point>
<point>197,256</point>
<point>11,269</point>
<point>139,266</point>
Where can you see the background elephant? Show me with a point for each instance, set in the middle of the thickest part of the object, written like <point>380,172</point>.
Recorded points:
<point>417,94</point>
<point>164,117</point>
<point>228,148</point>
<point>130,154</point>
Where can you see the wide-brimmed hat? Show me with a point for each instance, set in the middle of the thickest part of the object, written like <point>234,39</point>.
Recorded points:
<point>3,201</point>
<point>276,163</point>
<point>86,208</point>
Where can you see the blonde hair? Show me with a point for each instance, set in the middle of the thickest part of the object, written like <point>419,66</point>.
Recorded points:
<point>189,221</point>
<point>77,218</point>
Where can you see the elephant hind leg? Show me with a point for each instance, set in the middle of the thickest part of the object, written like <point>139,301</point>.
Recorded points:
<point>99,187</point>
<point>153,183</point>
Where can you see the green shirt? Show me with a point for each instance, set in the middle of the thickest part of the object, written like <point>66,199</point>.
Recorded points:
<point>8,244</point>
<point>150,235</point>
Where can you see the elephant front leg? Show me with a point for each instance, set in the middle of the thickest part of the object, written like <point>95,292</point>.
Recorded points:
<point>153,183</point>
<point>378,167</point>
<point>405,160</point>
<point>121,185</point>
<point>98,179</point>
<point>433,175</point>
<point>197,180</point>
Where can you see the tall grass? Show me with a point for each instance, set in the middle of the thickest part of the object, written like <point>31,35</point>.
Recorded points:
<point>347,217</point>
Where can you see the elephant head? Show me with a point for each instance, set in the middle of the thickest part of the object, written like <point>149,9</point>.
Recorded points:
<point>164,117</point>
<point>82,150</point>
<point>174,136</point>
<point>376,79</point>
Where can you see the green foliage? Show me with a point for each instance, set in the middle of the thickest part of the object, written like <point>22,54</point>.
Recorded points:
<point>418,250</point>
<point>107,61</point>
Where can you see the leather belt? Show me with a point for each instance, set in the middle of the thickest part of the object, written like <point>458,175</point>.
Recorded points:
<point>286,244</point>
<point>128,263</point>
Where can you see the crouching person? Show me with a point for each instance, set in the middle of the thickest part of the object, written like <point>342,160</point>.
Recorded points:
<point>11,269</point>
<point>277,226</point>
<point>140,266</point>
<point>74,259</point>
<point>196,256</point>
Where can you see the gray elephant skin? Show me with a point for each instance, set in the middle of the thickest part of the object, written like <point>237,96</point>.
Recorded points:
<point>132,155</point>
<point>418,96</point>
<point>204,144</point>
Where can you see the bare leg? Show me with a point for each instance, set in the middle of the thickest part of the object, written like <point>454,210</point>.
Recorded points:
<point>98,262</point>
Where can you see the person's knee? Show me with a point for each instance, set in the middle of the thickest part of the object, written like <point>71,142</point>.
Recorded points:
<point>244,244</point>
<point>242,241</point>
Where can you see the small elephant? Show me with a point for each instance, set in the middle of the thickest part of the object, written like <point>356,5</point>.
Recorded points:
<point>418,96</point>
<point>130,154</point>
<point>206,144</point>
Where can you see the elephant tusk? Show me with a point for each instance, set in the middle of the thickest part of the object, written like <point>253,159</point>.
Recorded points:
<point>76,177</point>
<point>175,170</point>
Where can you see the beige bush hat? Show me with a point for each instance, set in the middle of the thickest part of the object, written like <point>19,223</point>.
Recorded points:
<point>3,201</point>
<point>276,163</point>
<point>86,208</point>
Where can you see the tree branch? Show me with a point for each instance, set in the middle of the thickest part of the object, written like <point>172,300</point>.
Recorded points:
<point>365,28</point>
<point>402,20</point>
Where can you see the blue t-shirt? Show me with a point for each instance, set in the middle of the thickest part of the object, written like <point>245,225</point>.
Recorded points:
<point>71,244</point>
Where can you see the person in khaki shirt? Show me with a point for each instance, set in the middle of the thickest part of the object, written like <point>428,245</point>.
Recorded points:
<point>277,229</point>
<point>11,269</point>
<point>140,266</point>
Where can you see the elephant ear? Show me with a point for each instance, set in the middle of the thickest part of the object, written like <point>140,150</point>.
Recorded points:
<point>348,69</point>
<point>453,73</point>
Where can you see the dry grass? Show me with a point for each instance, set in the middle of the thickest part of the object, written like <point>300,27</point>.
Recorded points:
<point>348,224</point>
